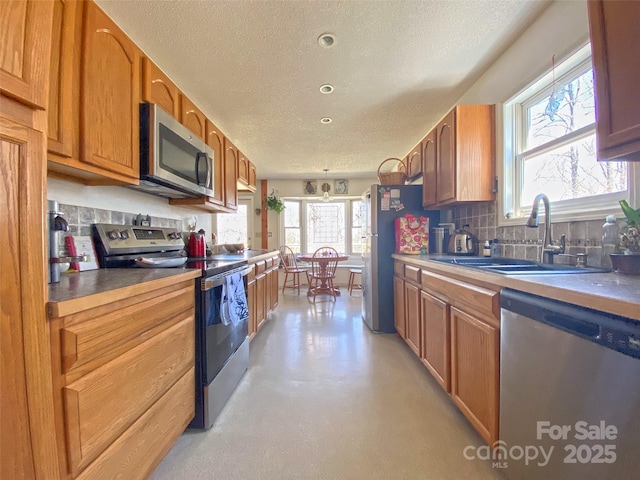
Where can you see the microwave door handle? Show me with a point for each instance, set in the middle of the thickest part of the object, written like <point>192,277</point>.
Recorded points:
<point>209,170</point>
<point>199,156</point>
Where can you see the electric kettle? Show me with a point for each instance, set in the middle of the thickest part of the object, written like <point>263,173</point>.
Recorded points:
<point>463,242</point>
<point>197,245</point>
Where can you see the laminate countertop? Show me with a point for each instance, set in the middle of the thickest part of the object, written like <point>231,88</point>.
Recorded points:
<point>608,292</point>
<point>99,287</point>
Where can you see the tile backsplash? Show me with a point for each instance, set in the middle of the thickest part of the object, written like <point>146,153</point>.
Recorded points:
<point>81,218</point>
<point>523,242</point>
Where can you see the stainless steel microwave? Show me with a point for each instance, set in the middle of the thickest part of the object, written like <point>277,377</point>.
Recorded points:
<point>174,162</point>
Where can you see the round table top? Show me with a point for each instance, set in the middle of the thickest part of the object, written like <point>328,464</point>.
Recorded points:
<point>308,257</point>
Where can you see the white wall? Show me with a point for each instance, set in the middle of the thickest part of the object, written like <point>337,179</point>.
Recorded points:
<point>560,30</point>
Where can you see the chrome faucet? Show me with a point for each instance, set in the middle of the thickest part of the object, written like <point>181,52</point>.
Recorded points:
<point>548,248</point>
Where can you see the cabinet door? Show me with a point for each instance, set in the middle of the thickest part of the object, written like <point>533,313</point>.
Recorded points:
<point>429,160</point>
<point>251,299</point>
<point>24,56</point>
<point>274,289</point>
<point>192,118</point>
<point>475,364</point>
<point>230,174</point>
<point>261,300</point>
<point>412,316</point>
<point>446,155</point>
<point>63,110</point>
<point>399,306</point>
<point>243,168</point>
<point>414,162</point>
<point>614,28</point>
<point>110,96</point>
<point>215,139</point>
<point>27,437</point>
<point>159,89</point>
<point>253,177</point>
<point>436,348</point>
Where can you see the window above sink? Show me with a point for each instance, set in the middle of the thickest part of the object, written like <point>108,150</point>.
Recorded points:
<point>550,147</point>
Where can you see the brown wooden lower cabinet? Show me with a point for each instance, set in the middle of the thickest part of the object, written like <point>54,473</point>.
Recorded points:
<point>454,327</point>
<point>263,293</point>
<point>399,306</point>
<point>253,312</point>
<point>412,316</point>
<point>436,350</point>
<point>124,381</point>
<point>475,365</point>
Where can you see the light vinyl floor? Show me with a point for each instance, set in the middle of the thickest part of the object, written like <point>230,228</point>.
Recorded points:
<point>325,398</point>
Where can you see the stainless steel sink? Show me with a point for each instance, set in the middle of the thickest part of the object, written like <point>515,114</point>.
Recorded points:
<point>482,261</point>
<point>539,269</point>
<point>515,266</point>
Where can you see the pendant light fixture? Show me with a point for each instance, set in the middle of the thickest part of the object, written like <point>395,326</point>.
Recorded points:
<point>325,187</point>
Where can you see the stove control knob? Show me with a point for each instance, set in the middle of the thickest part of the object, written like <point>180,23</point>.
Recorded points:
<point>113,235</point>
<point>174,235</point>
<point>124,234</point>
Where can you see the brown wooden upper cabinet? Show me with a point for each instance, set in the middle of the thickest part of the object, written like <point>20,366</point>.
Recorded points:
<point>192,118</point>
<point>215,139</point>
<point>465,160</point>
<point>110,96</point>
<point>253,177</point>
<point>230,174</point>
<point>429,159</point>
<point>616,65</point>
<point>246,174</point>
<point>414,162</point>
<point>159,89</point>
<point>22,71</point>
<point>243,168</point>
<point>63,112</point>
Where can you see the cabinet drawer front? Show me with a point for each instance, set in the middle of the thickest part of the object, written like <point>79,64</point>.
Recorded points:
<point>100,406</point>
<point>117,331</point>
<point>155,431</point>
<point>412,273</point>
<point>261,266</point>
<point>456,292</point>
<point>398,269</point>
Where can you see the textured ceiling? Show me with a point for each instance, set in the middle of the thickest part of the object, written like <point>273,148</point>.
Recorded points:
<point>255,69</point>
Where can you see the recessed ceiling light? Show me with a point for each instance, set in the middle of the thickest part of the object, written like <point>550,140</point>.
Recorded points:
<point>327,40</point>
<point>325,120</point>
<point>326,89</point>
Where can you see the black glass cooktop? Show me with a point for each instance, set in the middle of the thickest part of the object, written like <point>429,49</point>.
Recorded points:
<point>211,267</point>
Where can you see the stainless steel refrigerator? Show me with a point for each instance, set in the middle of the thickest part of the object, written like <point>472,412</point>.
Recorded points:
<point>381,205</point>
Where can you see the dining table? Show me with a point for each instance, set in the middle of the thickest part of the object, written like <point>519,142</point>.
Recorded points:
<point>322,263</point>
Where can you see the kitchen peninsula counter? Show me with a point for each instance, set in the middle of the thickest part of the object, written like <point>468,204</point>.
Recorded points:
<point>614,293</point>
<point>78,291</point>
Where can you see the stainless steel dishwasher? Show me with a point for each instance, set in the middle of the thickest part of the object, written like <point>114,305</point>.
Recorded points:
<point>569,391</point>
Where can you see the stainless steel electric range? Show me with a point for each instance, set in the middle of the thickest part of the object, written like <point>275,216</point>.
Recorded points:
<point>221,348</point>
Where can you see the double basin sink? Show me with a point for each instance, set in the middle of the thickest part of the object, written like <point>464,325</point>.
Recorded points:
<point>515,266</point>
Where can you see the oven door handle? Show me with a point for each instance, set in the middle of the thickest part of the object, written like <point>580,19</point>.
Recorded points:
<point>213,282</point>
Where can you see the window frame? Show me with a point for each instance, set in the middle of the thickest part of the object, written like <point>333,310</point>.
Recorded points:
<point>511,176</point>
<point>348,206</point>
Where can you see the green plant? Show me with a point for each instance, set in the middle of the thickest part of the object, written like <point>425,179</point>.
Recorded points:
<point>630,235</point>
<point>274,203</point>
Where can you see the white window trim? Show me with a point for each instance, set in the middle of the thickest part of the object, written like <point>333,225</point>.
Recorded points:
<point>303,220</point>
<point>591,208</point>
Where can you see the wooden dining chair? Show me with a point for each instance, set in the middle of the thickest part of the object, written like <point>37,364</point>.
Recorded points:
<point>323,271</point>
<point>288,262</point>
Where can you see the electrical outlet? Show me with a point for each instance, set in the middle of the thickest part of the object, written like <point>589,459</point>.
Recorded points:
<point>269,235</point>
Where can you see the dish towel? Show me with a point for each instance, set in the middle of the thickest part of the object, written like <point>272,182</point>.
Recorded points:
<point>233,302</point>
